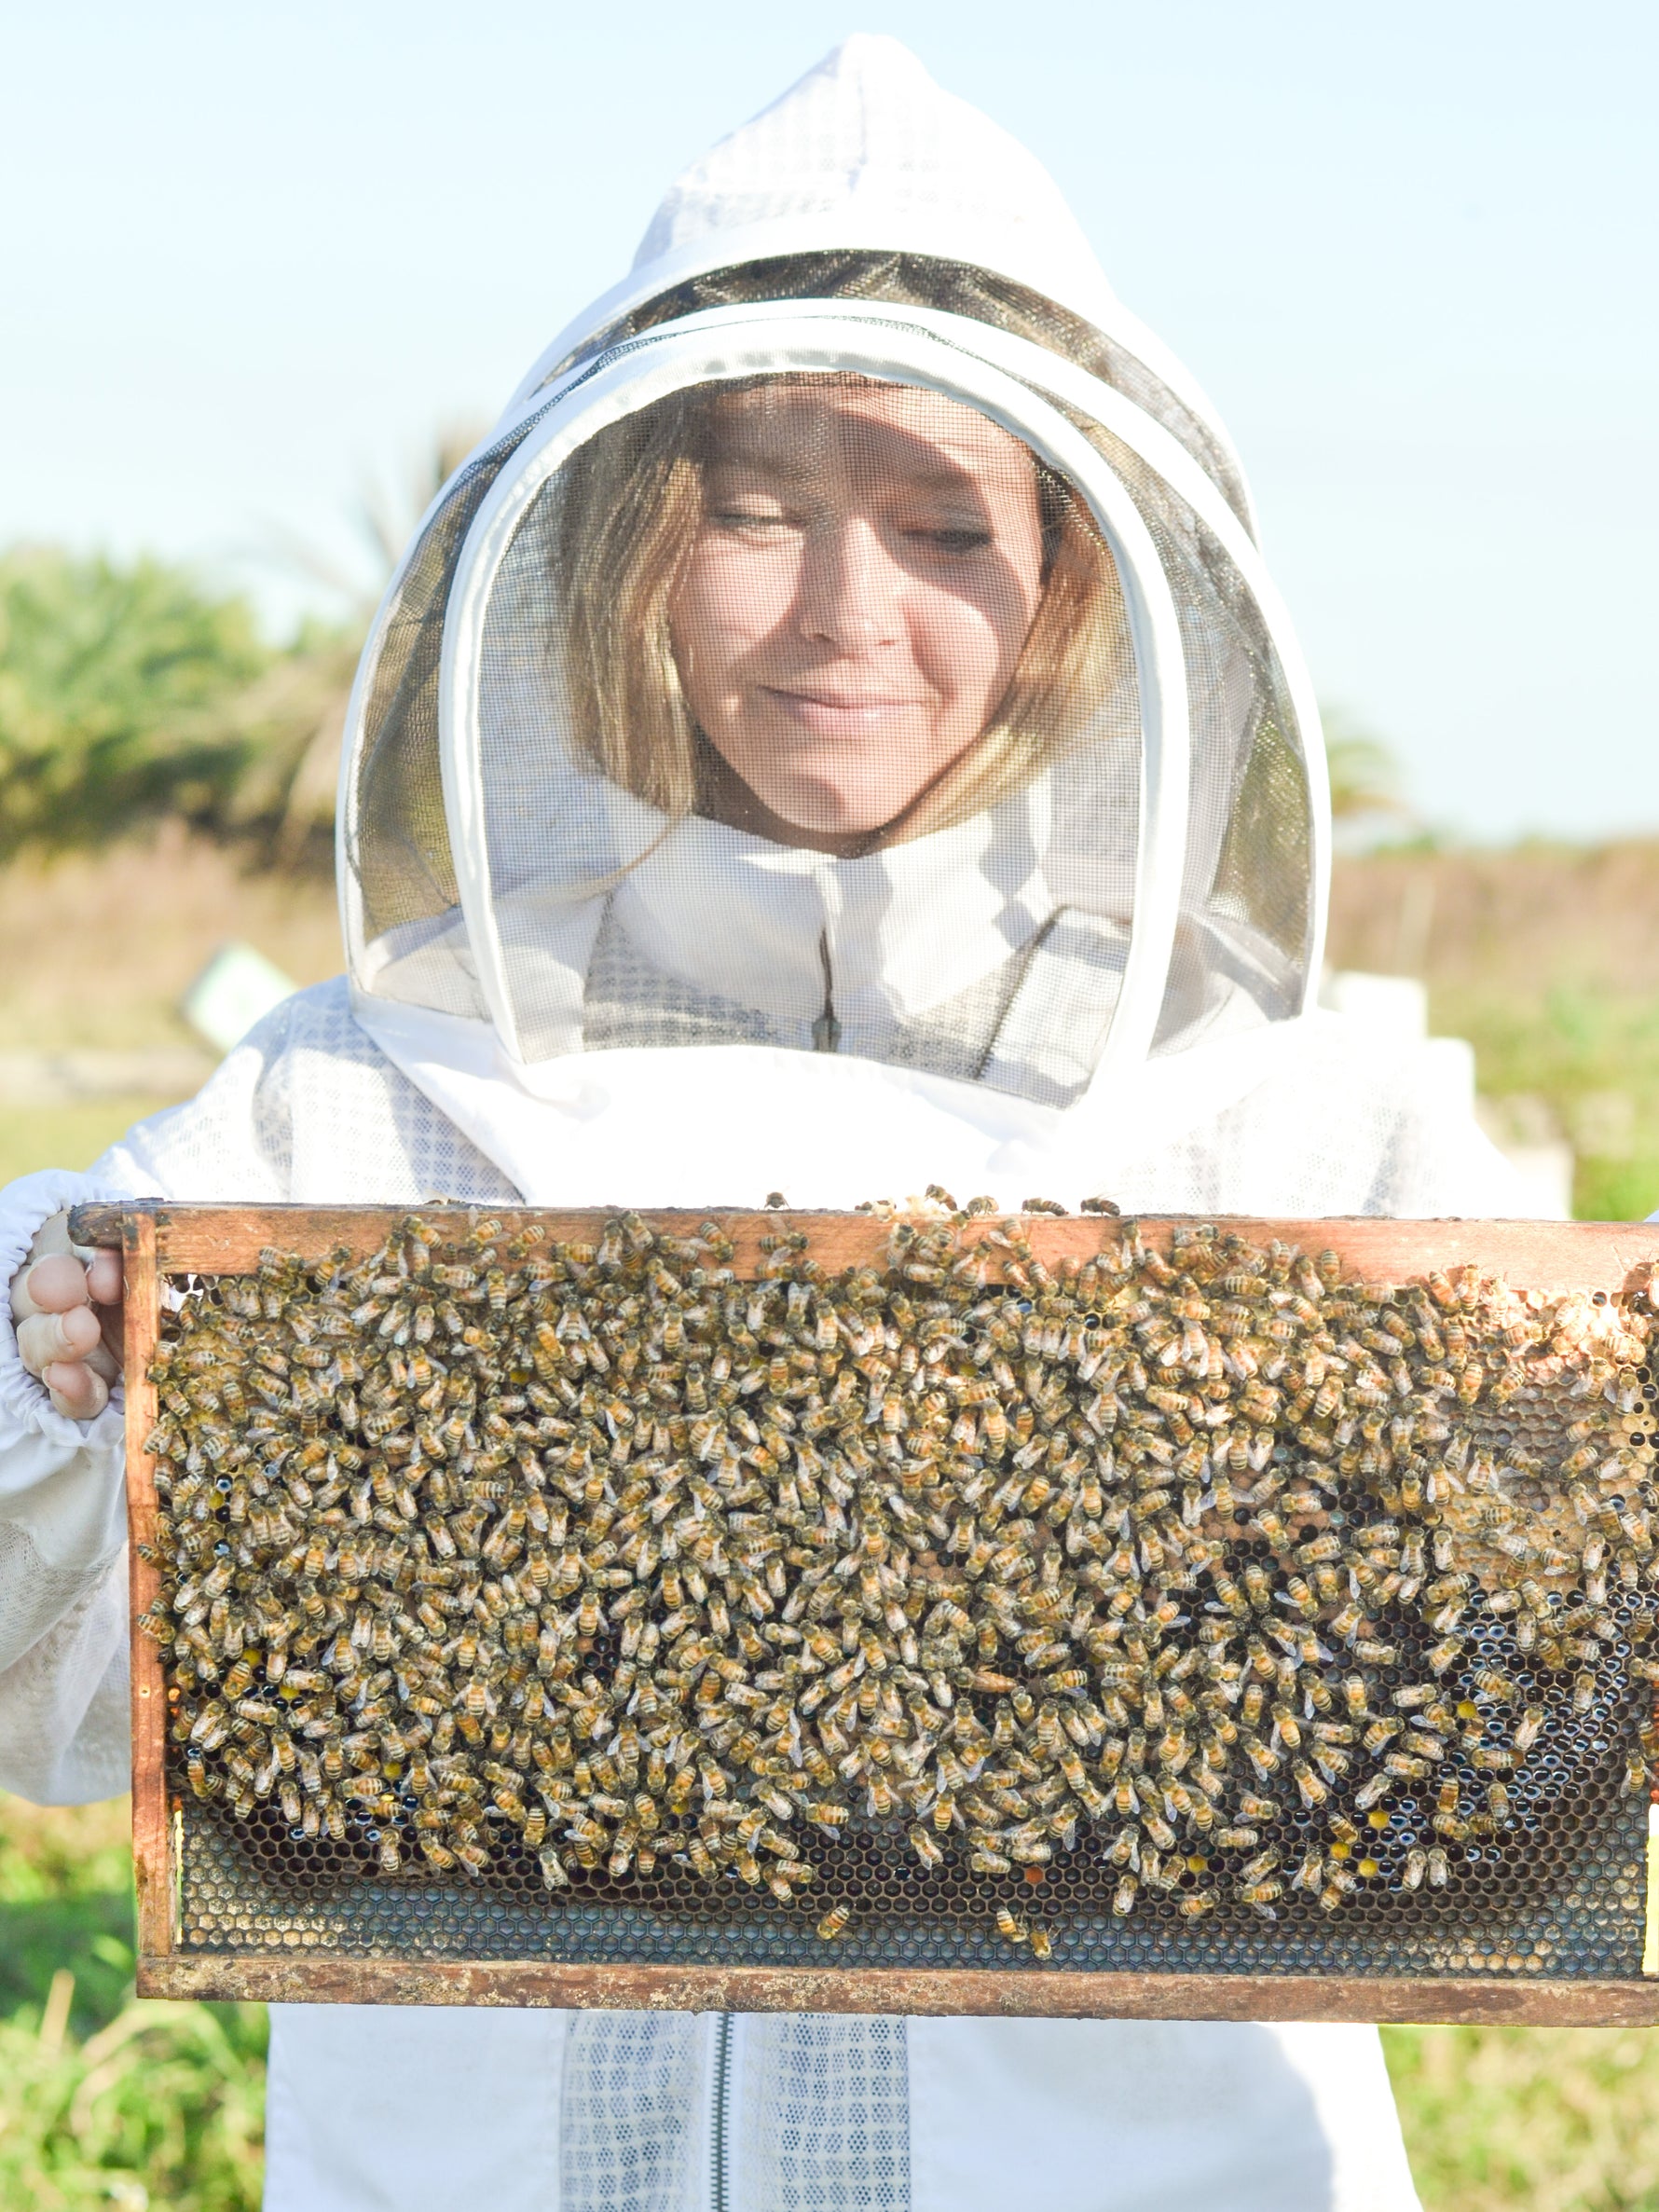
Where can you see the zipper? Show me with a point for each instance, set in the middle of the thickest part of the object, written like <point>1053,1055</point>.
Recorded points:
<point>719,2130</point>
<point>826,1030</point>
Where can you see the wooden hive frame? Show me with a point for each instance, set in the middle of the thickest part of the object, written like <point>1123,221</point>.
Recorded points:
<point>161,1240</point>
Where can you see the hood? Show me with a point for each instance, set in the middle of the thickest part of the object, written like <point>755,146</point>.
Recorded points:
<point>538,914</point>
<point>866,152</point>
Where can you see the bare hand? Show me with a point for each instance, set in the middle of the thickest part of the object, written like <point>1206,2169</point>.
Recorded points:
<point>68,1317</point>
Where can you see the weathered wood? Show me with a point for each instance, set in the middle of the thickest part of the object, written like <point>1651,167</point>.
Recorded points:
<point>151,1857</point>
<point>1618,1258</point>
<point>97,1223</point>
<point>325,1978</point>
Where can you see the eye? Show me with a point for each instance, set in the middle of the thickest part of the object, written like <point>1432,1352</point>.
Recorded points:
<point>953,541</point>
<point>748,518</point>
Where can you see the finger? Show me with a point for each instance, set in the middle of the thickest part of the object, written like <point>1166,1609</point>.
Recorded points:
<point>105,1278</point>
<point>51,1236</point>
<point>48,1337</point>
<point>104,1362</point>
<point>57,1283</point>
<point>113,1320</point>
<point>75,1390</point>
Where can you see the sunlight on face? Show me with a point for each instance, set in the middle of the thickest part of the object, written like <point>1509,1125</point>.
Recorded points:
<point>866,571</point>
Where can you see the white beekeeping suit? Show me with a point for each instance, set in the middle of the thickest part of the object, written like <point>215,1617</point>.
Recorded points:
<point>602,947</point>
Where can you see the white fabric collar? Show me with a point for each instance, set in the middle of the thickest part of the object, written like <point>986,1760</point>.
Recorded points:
<point>887,937</point>
<point>893,934</point>
<point>726,1124</point>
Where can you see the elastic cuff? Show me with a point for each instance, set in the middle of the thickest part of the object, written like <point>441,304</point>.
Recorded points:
<point>25,1404</point>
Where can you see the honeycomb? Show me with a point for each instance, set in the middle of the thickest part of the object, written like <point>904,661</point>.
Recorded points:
<point>1232,1517</point>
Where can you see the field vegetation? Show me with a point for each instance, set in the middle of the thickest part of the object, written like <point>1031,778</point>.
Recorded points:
<point>1546,958</point>
<point>130,693</point>
<point>166,780</point>
<point>105,2100</point>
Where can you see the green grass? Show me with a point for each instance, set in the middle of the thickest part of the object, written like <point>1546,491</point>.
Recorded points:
<point>1554,2120</point>
<point>106,2100</point>
<point>1590,1054</point>
<point>68,1136</point>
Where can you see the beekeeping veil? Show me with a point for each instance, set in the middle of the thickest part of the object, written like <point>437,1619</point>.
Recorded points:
<point>585,925</point>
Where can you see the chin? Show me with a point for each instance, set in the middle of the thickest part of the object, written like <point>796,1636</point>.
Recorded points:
<point>823,815</point>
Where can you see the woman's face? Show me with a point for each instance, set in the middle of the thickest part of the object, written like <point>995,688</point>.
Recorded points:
<point>866,566</point>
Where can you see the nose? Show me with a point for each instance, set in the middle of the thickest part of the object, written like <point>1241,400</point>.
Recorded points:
<point>850,587</point>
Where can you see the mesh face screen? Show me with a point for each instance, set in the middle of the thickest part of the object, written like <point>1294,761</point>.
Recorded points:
<point>920,281</point>
<point>808,712</point>
<point>804,713</point>
<point>1247,892</point>
<point>398,793</point>
<point>398,853</point>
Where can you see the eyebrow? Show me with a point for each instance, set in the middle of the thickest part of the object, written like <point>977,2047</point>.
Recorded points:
<point>958,477</point>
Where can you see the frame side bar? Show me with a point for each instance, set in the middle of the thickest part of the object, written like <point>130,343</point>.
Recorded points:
<point>151,1844</point>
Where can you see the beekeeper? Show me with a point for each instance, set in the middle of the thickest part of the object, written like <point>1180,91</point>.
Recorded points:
<point>835,735</point>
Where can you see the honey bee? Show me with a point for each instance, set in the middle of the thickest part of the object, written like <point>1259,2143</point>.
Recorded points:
<point>1309,1876</point>
<point>1310,1787</point>
<point>1260,1894</point>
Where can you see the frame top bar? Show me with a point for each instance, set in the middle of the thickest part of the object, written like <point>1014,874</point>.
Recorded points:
<point>1615,1258</point>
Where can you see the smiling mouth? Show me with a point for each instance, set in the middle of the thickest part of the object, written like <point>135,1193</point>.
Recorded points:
<point>829,711</point>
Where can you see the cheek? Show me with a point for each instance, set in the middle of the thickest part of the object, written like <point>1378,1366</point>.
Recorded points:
<point>968,649</point>
<point>726,604</point>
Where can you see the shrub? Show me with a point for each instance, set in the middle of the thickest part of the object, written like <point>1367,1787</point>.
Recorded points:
<point>130,692</point>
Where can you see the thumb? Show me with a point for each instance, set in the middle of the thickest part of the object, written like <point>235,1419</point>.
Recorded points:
<point>50,1241</point>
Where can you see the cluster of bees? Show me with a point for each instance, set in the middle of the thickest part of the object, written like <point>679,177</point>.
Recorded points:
<point>1193,1568</point>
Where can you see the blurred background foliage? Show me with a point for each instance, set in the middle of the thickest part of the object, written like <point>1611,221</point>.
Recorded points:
<point>166,778</point>
<point>132,693</point>
<point>136,693</point>
<point>1546,958</point>
<point>1366,787</point>
<point>105,2100</point>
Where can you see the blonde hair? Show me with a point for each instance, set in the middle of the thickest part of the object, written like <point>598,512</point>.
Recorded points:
<point>630,506</point>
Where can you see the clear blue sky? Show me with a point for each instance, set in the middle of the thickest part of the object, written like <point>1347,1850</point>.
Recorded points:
<point>252,256</point>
